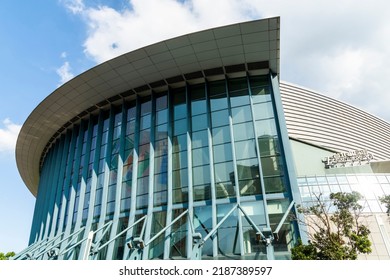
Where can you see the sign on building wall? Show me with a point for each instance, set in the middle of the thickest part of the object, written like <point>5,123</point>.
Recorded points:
<point>351,158</point>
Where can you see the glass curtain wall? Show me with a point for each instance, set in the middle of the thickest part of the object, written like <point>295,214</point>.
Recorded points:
<point>208,146</point>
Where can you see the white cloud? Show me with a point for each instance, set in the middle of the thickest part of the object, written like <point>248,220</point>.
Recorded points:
<point>64,73</point>
<point>8,135</point>
<point>113,32</point>
<point>336,47</point>
<point>74,6</point>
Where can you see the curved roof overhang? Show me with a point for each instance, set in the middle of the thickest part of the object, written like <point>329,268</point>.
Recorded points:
<point>244,47</point>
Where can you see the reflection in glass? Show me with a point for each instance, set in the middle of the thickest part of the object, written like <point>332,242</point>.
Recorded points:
<point>222,153</point>
<point>263,111</point>
<point>268,145</point>
<point>266,127</point>
<point>239,98</point>
<point>220,118</point>
<point>272,166</point>
<point>274,185</point>
<point>200,156</point>
<point>203,224</point>
<point>245,149</point>
<point>221,135</point>
<point>179,235</point>
<point>199,139</point>
<point>156,250</point>
<point>228,231</point>
<point>243,131</point>
<point>241,114</point>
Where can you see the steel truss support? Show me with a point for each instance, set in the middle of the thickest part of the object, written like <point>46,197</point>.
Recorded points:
<point>50,247</point>
<point>267,236</point>
<point>137,251</point>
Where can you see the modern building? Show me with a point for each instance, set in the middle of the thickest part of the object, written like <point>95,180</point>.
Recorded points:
<point>340,148</point>
<point>189,148</point>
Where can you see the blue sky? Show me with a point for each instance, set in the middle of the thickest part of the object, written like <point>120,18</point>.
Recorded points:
<point>335,47</point>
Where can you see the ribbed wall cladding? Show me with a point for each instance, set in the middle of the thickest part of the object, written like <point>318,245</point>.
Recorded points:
<point>332,124</point>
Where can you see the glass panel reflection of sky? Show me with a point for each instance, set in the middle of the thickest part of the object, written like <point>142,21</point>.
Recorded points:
<point>371,187</point>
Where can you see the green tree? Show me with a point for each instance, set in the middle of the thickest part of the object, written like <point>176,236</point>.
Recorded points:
<point>6,256</point>
<point>334,229</point>
<point>386,201</point>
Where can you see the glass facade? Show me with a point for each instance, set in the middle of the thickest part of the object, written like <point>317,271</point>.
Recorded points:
<point>165,167</point>
<point>370,186</point>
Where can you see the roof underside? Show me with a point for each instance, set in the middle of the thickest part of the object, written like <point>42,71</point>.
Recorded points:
<point>243,47</point>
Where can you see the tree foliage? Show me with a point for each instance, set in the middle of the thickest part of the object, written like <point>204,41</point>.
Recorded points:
<point>6,256</point>
<point>335,230</point>
<point>386,201</point>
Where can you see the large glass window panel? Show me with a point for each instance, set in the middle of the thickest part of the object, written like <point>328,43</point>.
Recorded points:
<point>272,166</point>
<point>179,102</point>
<point>201,175</point>
<point>129,142</point>
<point>131,113</point>
<point>228,232</point>
<point>274,185</point>
<point>160,198</point>
<point>243,131</point>
<point>156,250</point>
<point>144,151</point>
<point>225,189</point>
<point>221,135</point>
<point>276,210</point>
<point>143,168</point>
<point>222,152</point>
<point>200,156</point>
<point>144,137</point>
<point>130,127</point>
<point>199,139</point>
<point>180,195</point>
<point>217,92</point>
<point>162,116</point>
<point>255,211</point>
<point>241,114</point>
<point>198,100</point>
<point>161,132</point>
<point>203,224</point>
<point>250,187</point>
<point>202,192</point>
<point>161,148</point>
<point>220,118</point>
<point>180,178</point>
<point>142,185</point>
<point>126,189</point>
<point>268,145</point>
<point>263,111</point>
<point>145,121</point>
<point>180,127</point>
<point>160,182</point>
<point>239,98</point>
<point>266,127</point>
<point>260,89</point>
<point>146,107</point>
<point>142,201</point>
<point>245,149</point>
<point>224,172</point>
<point>161,102</point>
<point>199,122</point>
<point>180,160</point>
<point>218,102</point>
<point>179,143</point>
<point>248,169</point>
<point>198,107</point>
<point>160,164</point>
<point>179,235</point>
